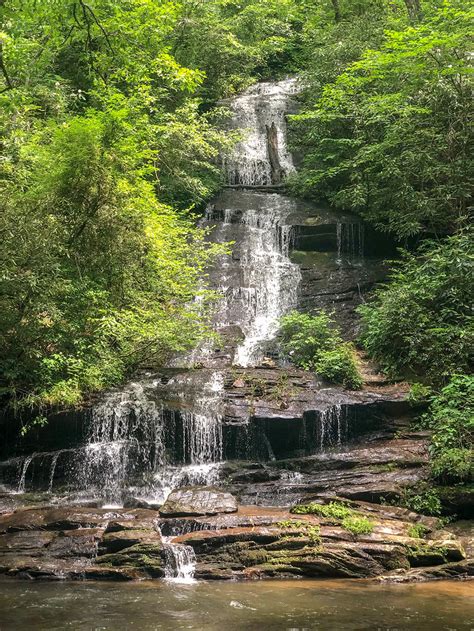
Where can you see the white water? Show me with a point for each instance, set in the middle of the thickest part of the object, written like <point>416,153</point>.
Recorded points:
<point>180,562</point>
<point>253,113</point>
<point>334,427</point>
<point>350,241</point>
<point>24,469</point>
<point>127,452</point>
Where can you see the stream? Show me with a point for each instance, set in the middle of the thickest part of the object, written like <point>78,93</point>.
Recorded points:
<point>281,605</point>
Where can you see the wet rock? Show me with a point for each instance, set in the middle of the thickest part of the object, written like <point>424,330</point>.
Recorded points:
<point>198,501</point>
<point>75,543</point>
<point>427,553</point>
<point>137,502</point>
<point>145,557</point>
<point>67,518</point>
<point>43,568</point>
<point>459,570</point>
<point>30,543</point>
<point>113,542</point>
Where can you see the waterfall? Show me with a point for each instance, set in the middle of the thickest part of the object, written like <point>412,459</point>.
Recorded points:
<point>180,562</point>
<point>52,471</point>
<point>202,435</point>
<point>334,427</point>
<point>261,158</point>
<point>142,442</point>
<point>263,283</point>
<point>125,436</point>
<point>24,469</point>
<point>350,240</point>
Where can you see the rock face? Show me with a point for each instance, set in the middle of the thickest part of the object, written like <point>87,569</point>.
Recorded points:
<point>381,469</point>
<point>198,501</point>
<point>72,543</point>
<point>80,543</point>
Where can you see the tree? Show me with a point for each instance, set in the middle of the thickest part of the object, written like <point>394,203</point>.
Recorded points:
<point>389,138</point>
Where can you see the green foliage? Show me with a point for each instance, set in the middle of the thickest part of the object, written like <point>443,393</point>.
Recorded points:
<point>334,510</point>
<point>358,525</point>
<point>348,518</point>
<point>37,421</point>
<point>451,419</point>
<point>313,343</point>
<point>387,136</point>
<point>236,43</point>
<point>424,501</point>
<point>417,531</point>
<point>312,531</point>
<point>421,323</point>
<point>101,131</point>
<point>418,393</point>
<point>339,366</point>
<point>453,465</point>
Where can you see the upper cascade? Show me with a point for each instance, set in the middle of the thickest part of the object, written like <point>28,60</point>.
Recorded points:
<point>261,158</point>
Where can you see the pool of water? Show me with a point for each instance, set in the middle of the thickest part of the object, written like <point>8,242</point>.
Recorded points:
<point>289,605</point>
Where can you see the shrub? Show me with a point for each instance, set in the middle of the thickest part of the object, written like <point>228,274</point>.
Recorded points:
<point>339,365</point>
<point>453,465</point>
<point>314,343</point>
<point>358,525</point>
<point>417,531</point>
<point>425,502</point>
<point>421,323</point>
<point>451,418</point>
<point>304,336</point>
<point>336,510</point>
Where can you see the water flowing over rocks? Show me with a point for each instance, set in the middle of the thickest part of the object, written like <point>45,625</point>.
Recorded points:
<point>190,472</point>
<point>80,543</point>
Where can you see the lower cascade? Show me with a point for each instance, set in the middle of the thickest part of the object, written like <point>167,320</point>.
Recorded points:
<point>180,562</point>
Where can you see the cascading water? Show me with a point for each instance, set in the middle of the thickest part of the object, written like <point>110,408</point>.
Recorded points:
<point>333,427</point>
<point>261,158</point>
<point>265,283</point>
<point>350,240</point>
<point>140,446</point>
<point>24,469</point>
<point>180,562</point>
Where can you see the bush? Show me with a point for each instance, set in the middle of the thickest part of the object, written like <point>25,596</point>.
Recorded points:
<point>451,418</point>
<point>358,525</point>
<point>417,531</point>
<point>339,365</point>
<point>421,323</point>
<point>335,510</point>
<point>425,502</point>
<point>453,465</point>
<point>314,343</point>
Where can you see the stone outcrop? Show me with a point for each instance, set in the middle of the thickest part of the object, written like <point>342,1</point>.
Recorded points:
<point>101,544</point>
<point>198,501</point>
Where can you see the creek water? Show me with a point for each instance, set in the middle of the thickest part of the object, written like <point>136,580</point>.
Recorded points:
<point>282,605</point>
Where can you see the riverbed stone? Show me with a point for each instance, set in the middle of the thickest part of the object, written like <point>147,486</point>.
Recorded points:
<point>254,542</point>
<point>115,541</point>
<point>195,500</point>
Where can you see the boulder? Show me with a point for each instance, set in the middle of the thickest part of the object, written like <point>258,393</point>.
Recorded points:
<point>194,500</point>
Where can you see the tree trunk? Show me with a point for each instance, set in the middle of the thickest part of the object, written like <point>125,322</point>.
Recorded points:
<point>273,155</point>
<point>337,10</point>
<point>414,10</point>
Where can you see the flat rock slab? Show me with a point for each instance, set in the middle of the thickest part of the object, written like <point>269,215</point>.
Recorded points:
<point>195,501</point>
